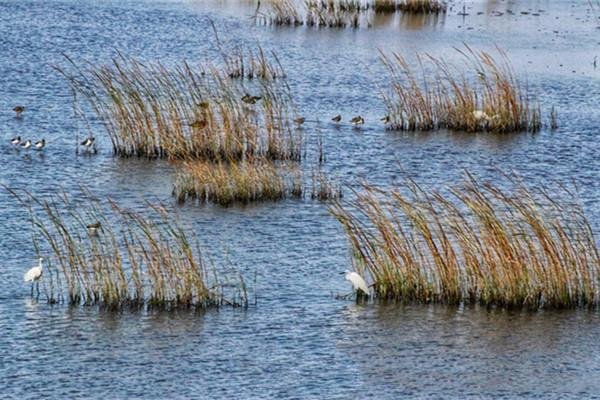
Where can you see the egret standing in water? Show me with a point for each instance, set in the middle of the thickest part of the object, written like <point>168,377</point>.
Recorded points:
<point>358,283</point>
<point>34,275</point>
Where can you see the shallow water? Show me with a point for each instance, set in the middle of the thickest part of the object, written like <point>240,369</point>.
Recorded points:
<point>298,341</point>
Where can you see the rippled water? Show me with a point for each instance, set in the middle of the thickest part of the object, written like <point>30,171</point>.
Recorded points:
<point>299,341</point>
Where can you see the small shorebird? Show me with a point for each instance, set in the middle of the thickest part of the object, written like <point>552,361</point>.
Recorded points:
<point>93,228</point>
<point>34,275</point>
<point>299,120</point>
<point>358,120</point>
<point>247,98</point>
<point>40,144</point>
<point>26,145</point>
<point>198,124</point>
<point>15,141</point>
<point>386,119</point>
<point>18,110</point>
<point>337,118</point>
<point>88,142</point>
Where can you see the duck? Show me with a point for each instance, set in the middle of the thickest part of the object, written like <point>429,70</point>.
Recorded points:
<point>26,145</point>
<point>18,110</point>
<point>15,141</point>
<point>358,120</point>
<point>40,144</point>
<point>337,118</point>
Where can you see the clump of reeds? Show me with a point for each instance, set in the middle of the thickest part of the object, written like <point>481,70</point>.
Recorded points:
<point>489,97</point>
<point>116,258</point>
<point>324,188</point>
<point>241,63</point>
<point>385,6</point>
<point>186,112</point>
<point>420,6</point>
<point>478,244</point>
<point>285,12</point>
<point>333,14</point>
<point>225,183</point>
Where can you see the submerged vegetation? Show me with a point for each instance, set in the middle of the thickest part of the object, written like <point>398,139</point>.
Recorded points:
<point>341,13</point>
<point>477,244</point>
<point>105,255</point>
<point>489,97</point>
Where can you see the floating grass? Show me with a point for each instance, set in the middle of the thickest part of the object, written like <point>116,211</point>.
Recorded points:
<point>523,247</point>
<point>488,96</point>
<point>128,260</point>
<point>185,112</point>
<point>226,183</point>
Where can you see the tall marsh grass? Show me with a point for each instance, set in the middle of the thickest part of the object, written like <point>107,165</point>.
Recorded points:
<point>225,183</point>
<point>130,260</point>
<point>488,96</point>
<point>479,243</point>
<point>183,112</point>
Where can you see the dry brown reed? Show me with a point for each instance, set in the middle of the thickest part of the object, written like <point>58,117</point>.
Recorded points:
<point>186,112</point>
<point>324,188</point>
<point>421,6</point>
<point>440,95</point>
<point>130,260</point>
<point>479,243</point>
<point>226,183</point>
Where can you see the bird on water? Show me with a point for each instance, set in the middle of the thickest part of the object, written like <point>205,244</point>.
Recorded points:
<point>93,228</point>
<point>299,120</point>
<point>26,145</point>
<point>18,110</point>
<point>16,140</point>
<point>358,120</point>
<point>40,144</point>
<point>337,118</point>
<point>34,275</point>
<point>358,283</point>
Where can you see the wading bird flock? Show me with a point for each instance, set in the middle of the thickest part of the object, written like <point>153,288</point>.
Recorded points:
<point>34,274</point>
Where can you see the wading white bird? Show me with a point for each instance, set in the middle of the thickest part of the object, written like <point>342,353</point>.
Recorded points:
<point>39,145</point>
<point>358,283</point>
<point>26,145</point>
<point>16,140</point>
<point>34,275</point>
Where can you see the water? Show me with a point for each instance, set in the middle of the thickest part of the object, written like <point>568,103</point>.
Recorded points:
<point>299,341</point>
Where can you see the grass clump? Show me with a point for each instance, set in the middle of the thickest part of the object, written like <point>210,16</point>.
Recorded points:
<point>128,259</point>
<point>477,244</point>
<point>186,112</point>
<point>439,95</point>
<point>420,6</point>
<point>225,183</point>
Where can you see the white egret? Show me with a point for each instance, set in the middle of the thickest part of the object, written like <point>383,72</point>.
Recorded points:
<point>34,275</point>
<point>358,283</point>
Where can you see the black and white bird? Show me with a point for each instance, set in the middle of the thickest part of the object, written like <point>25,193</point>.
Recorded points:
<point>93,228</point>
<point>88,142</point>
<point>26,145</point>
<point>15,141</point>
<point>34,274</point>
<point>337,118</point>
<point>40,144</point>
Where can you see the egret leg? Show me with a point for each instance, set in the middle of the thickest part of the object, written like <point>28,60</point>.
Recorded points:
<point>37,287</point>
<point>31,289</point>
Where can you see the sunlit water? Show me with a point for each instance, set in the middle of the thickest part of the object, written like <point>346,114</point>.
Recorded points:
<point>298,341</point>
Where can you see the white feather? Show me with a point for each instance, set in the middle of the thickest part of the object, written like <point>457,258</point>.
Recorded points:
<point>358,283</point>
